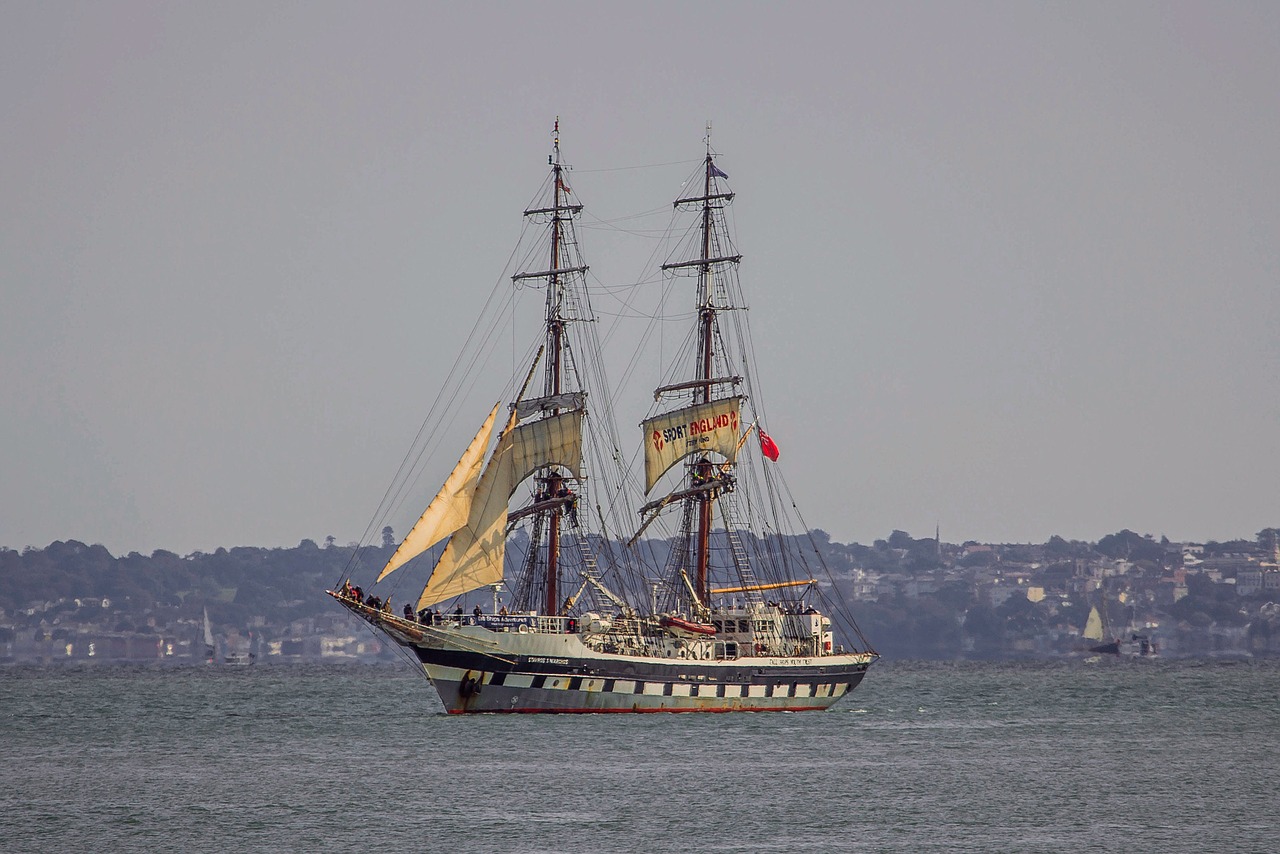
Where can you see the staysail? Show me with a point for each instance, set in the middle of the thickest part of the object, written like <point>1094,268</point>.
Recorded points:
<point>448,511</point>
<point>672,436</point>
<point>474,555</point>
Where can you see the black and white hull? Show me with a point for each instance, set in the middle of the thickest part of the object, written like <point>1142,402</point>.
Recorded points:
<point>476,669</point>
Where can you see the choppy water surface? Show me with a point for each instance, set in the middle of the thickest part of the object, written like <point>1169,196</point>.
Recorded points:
<point>1117,756</point>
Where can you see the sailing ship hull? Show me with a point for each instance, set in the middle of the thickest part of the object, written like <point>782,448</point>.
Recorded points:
<point>475,670</point>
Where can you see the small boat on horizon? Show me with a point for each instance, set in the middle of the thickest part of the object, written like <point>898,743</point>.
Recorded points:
<point>1131,643</point>
<point>235,654</point>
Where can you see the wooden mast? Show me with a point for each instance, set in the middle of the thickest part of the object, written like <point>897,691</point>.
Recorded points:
<point>703,470</point>
<point>705,373</point>
<point>555,333</point>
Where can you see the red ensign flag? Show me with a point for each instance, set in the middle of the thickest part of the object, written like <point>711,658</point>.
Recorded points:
<point>768,447</point>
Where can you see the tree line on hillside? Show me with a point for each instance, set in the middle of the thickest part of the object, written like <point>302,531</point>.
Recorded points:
<point>945,617</point>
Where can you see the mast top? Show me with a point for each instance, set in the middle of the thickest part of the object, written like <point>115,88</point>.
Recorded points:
<point>553,159</point>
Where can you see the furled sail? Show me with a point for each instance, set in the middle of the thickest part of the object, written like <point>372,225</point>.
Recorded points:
<point>569,400</point>
<point>448,511</point>
<point>669,438</point>
<point>474,556</point>
<point>1093,626</point>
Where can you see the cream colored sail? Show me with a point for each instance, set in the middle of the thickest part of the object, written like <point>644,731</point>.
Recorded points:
<point>474,556</point>
<point>1093,626</point>
<point>448,511</point>
<point>671,437</point>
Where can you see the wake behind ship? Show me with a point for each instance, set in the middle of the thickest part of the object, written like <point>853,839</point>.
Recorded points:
<point>708,596</point>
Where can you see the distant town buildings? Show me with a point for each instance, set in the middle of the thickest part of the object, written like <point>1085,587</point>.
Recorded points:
<point>916,598</point>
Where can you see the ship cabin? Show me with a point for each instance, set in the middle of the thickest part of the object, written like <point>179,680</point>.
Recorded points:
<point>759,630</point>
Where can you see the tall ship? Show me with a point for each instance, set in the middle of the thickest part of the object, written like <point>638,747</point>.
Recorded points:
<point>564,573</point>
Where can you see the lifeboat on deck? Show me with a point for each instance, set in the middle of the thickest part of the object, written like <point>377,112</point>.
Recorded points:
<point>688,628</point>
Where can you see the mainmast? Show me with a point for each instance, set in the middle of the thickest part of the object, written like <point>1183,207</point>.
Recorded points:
<point>702,470</point>
<point>707,314</point>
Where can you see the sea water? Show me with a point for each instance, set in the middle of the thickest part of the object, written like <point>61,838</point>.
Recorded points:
<point>1110,756</point>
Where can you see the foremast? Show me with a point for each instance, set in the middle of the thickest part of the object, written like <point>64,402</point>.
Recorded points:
<point>549,508</point>
<point>541,439</point>
<point>555,362</point>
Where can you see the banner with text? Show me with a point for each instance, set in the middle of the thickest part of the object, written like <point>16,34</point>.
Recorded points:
<point>669,438</point>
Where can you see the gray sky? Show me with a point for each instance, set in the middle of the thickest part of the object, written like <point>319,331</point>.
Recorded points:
<point>1013,267</point>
